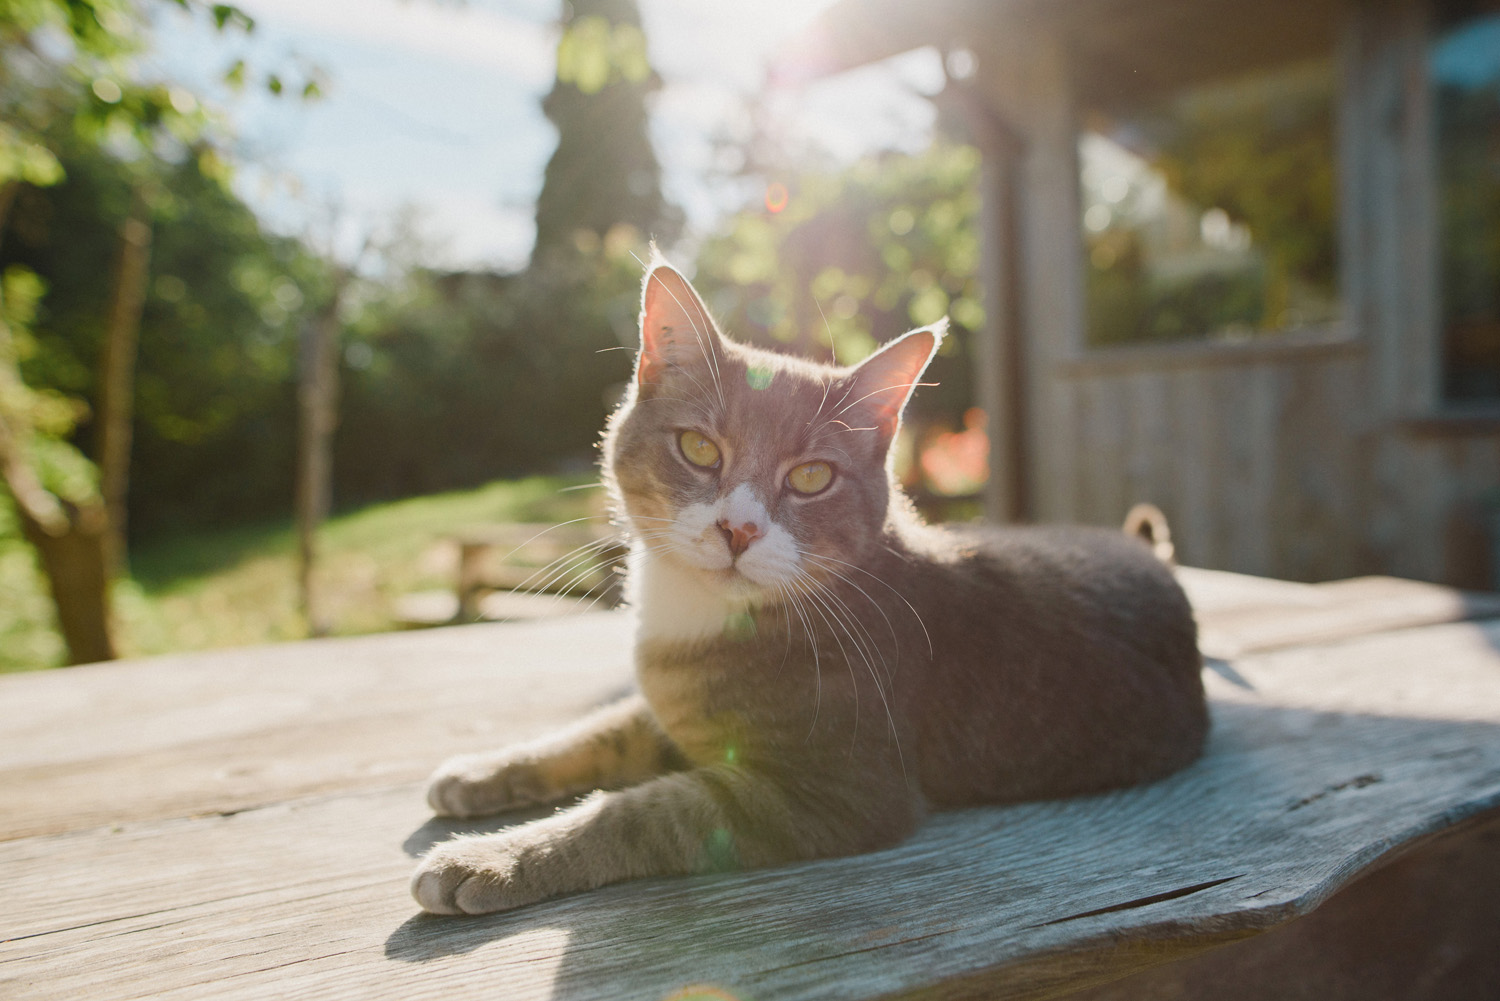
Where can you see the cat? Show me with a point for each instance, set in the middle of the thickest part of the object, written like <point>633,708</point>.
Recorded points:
<point>817,668</point>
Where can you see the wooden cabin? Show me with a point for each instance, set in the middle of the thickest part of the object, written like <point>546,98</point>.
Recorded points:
<point>1243,260</point>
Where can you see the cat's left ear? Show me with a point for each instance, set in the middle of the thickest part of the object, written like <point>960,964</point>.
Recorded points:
<point>884,382</point>
<point>676,329</point>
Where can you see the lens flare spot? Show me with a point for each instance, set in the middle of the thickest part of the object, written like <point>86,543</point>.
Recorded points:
<point>739,625</point>
<point>730,754</point>
<point>777,197</point>
<point>719,847</point>
<point>700,992</point>
<point>758,378</point>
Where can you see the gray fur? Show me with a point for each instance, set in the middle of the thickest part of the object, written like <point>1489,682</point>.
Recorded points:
<point>906,667</point>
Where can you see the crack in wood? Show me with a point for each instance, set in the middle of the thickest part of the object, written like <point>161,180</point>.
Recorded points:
<point>1155,898</point>
<point>1358,782</point>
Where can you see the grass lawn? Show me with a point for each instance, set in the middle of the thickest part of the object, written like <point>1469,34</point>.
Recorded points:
<point>237,586</point>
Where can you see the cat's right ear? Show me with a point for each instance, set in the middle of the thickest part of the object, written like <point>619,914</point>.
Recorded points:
<point>676,329</point>
<point>884,382</point>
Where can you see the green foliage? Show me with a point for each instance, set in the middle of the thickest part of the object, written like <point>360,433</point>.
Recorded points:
<point>593,52</point>
<point>835,263</point>
<point>214,382</point>
<point>25,160</point>
<point>204,588</point>
<point>510,373</point>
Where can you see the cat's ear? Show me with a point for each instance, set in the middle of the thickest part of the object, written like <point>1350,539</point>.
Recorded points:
<point>676,329</point>
<point>884,381</point>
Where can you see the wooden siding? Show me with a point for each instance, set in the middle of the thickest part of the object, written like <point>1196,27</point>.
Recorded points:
<point>1306,458</point>
<point>1257,462</point>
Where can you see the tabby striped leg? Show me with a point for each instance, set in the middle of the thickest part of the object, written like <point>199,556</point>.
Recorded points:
<point>707,819</point>
<point>617,746</point>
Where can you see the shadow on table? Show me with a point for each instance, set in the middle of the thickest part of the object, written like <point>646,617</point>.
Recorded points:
<point>1287,806</point>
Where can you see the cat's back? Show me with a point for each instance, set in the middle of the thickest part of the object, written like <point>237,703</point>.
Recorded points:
<point>1064,660</point>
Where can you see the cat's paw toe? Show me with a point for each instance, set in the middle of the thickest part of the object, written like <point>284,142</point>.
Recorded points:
<point>435,891</point>
<point>465,877</point>
<point>476,785</point>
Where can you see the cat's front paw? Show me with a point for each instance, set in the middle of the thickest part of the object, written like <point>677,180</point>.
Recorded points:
<point>477,785</point>
<point>474,876</point>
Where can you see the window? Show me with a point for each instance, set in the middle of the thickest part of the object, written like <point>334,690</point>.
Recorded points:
<point>1209,213</point>
<point>1465,68</point>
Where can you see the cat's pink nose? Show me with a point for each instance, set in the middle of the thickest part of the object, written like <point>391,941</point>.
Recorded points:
<point>739,536</point>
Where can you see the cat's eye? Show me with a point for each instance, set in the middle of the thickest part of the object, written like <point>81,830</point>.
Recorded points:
<point>810,477</point>
<point>698,450</point>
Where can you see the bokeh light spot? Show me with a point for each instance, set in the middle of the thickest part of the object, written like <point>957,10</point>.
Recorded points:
<point>777,197</point>
<point>701,992</point>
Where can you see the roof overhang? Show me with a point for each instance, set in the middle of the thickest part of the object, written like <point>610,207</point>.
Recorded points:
<point>1120,49</point>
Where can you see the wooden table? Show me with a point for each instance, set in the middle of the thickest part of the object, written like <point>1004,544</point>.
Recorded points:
<point>242,824</point>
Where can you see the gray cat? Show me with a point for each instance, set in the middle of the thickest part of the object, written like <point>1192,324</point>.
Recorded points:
<point>817,667</point>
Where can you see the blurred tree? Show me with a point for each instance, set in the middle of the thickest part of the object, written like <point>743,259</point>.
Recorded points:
<point>836,262</point>
<point>604,171</point>
<point>521,365</point>
<point>66,82</point>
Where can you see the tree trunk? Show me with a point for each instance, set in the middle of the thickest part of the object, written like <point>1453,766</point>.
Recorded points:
<point>68,538</point>
<point>317,399</point>
<point>115,410</point>
<point>75,562</point>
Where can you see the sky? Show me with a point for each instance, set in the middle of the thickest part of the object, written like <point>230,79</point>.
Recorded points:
<point>432,108</point>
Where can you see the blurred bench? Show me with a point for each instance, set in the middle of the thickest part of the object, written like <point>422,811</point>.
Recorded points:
<point>520,571</point>
<point>242,824</point>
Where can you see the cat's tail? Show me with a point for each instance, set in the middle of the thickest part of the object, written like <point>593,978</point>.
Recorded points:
<point>1147,522</point>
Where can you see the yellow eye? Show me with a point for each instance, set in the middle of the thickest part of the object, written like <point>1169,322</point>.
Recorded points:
<point>810,477</point>
<point>697,449</point>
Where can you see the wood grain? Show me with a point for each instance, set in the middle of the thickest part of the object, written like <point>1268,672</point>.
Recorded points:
<point>227,731</point>
<point>1325,760</point>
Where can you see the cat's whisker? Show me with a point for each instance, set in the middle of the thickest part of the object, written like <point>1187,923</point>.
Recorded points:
<point>551,528</point>
<point>703,409</point>
<point>823,613</point>
<point>865,644</point>
<point>785,614</point>
<point>578,562</point>
<point>884,389</point>
<point>833,349</point>
<point>704,403</point>
<point>880,684</point>
<point>823,565</point>
<point>848,615</point>
<point>915,614</point>
<point>794,601</point>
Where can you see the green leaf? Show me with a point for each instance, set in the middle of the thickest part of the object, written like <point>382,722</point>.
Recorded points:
<point>227,15</point>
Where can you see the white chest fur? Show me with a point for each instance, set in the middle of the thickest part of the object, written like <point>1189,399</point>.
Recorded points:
<point>674,603</point>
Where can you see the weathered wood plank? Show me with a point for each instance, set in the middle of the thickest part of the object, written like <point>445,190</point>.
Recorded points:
<point>1336,610</point>
<point>225,731</point>
<point>1322,762</point>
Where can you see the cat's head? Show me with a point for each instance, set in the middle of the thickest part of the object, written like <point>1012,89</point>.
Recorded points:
<point>750,468</point>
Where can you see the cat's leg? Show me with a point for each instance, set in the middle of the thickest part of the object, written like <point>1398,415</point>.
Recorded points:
<point>617,746</point>
<point>706,819</point>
